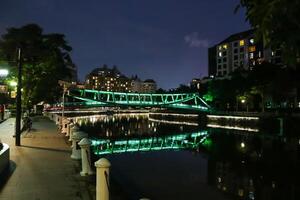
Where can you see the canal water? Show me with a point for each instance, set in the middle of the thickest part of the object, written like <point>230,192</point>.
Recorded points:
<point>172,157</point>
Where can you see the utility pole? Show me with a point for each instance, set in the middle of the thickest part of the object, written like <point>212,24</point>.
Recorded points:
<point>19,100</point>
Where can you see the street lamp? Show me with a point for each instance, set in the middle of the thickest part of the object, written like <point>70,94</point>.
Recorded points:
<point>242,145</point>
<point>4,72</point>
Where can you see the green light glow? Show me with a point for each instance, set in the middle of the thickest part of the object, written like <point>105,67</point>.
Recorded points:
<point>208,97</point>
<point>175,142</point>
<point>105,98</point>
<point>208,143</point>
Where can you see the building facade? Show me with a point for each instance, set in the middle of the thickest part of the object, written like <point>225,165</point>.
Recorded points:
<point>107,79</point>
<point>149,86</point>
<point>239,51</point>
<point>136,84</point>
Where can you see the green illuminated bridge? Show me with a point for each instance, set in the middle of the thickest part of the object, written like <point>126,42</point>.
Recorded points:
<point>105,98</point>
<point>171,142</point>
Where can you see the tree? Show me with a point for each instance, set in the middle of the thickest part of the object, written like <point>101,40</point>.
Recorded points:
<point>277,22</point>
<point>45,59</point>
<point>183,89</point>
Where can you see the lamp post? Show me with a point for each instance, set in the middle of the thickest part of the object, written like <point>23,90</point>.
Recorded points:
<point>63,103</point>
<point>19,100</point>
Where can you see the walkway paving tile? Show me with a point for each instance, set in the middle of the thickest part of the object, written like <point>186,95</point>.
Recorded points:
<point>41,167</point>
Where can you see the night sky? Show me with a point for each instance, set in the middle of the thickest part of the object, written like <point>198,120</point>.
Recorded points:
<point>165,40</point>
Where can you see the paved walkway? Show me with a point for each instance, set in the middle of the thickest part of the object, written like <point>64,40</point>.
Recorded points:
<point>41,168</point>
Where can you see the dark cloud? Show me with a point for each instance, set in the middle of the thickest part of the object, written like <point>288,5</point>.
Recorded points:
<point>193,40</point>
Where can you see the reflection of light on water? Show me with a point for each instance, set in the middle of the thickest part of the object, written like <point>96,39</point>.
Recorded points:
<point>181,141</point>
<point>231,117</point>
<point>232,127</point>
<point>173,122</point>
<point>174,114</point>
<point>107,118</point>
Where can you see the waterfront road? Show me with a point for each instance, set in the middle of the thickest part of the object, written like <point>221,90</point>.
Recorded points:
<point>40,169</point>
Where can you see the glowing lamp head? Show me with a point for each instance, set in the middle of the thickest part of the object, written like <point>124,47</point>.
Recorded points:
<point>3,72</point>
<point>242,144</point>
<point>13,83</point>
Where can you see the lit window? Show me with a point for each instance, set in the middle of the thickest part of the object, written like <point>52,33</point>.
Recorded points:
<point>252,41</point>
<point>251,55</point>
<point>272,53</point>
<point>259,54</point>
<point>242,42</point>
<point>225,46</point>
<point>220,54</point>
<point>220,47</point>
<point>252,48</point>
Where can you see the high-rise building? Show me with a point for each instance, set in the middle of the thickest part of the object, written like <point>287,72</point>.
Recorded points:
<point>107,79</point>
<point>239,51</point>
<point>136,84</point>
<point>149,86</point>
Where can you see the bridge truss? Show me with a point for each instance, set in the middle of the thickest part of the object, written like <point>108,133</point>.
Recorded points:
<point>106,98</point>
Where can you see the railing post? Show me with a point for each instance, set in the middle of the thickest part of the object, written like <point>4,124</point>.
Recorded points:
<point>85,145</point>
<point>57,119</point>
<point>70,126</point>
<point>64,126</point>
<point>73,129</point>
<point>102,182</point>
<point>76,137</point>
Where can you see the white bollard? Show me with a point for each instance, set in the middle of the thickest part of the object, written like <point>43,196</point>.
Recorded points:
<point>85,145</point>
<point>76,137</point>
<point>64,127</point>
<point>102,182</point>
<point>70,125</point>
<point>57,119</point>
<point>73,129</point>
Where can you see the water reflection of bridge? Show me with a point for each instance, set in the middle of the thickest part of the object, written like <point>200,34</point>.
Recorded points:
<point>155,143</point>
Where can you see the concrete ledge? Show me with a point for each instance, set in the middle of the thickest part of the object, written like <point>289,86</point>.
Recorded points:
<point>4,157</point>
